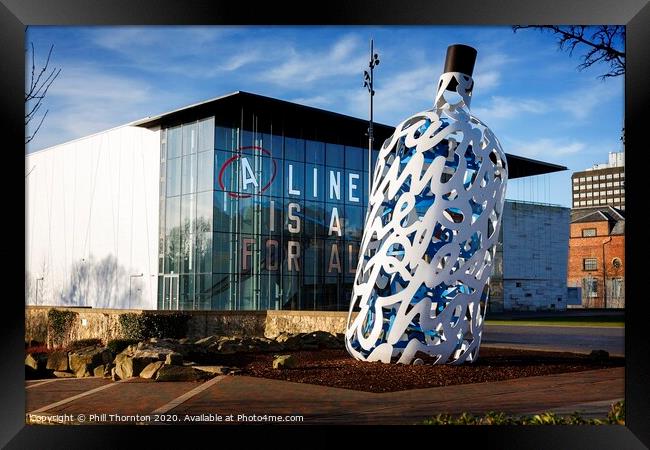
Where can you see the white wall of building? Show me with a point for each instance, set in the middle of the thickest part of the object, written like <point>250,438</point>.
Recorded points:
<point>535,256</point>
<point>91,212</point>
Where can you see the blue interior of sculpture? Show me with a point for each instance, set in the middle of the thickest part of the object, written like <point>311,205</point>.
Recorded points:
<point>441,295</point>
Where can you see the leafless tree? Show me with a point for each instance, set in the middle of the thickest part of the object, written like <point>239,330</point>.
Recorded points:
<point>39,82</point>
<point>602,44</point>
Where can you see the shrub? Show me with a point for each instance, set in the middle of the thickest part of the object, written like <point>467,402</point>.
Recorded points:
<point>81,343</point>
<point>616,415</point>
<point>153,325</point>
<point>59,324</point>
<point>118,345</point>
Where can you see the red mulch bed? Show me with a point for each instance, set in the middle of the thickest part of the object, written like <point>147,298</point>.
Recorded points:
<point>337,369</point>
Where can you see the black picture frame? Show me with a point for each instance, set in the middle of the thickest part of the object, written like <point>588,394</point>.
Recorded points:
<point>635,14</point>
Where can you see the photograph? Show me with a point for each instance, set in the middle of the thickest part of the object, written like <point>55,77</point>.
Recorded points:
<point>292,225</point>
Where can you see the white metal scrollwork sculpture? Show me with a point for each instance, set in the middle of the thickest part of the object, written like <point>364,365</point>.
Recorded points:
<point>422,282</point>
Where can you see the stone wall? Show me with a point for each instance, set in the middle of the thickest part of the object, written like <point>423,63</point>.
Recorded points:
<point>104,323</point>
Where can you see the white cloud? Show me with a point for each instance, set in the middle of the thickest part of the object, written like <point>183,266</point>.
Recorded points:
<point>546,147</point>
<point>302,68</point>
<point>509,107</point>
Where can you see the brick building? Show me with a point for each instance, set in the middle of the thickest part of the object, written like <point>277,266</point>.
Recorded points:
<point>597,256</point>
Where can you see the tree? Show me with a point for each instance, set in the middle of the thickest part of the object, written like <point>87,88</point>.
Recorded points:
<point>39,83</point>
<point>602,44</point>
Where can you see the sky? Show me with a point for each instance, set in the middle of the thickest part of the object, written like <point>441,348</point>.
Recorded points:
<point>526,90</point>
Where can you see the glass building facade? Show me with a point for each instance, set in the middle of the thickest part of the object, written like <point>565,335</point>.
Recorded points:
<point>258,212</point>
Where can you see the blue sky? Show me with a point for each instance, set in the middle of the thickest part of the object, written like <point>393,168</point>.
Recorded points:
<point>530,93</point>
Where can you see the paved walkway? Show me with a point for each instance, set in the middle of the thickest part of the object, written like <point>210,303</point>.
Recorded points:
<point>590,392</point>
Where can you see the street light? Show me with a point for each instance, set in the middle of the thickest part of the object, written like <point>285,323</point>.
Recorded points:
<point>368,82</point>
<point>131,277</point>
<point>37,280</point>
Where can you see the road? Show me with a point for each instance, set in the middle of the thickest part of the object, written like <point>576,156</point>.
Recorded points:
<point>564,338</point>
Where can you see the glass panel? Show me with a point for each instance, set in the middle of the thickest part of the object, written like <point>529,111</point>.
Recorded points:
<point>186,291</point>
<point>314,219</point>
<point>206,134</point>
<point>351,259</point>
<point>205,171</point>
<point>334,155</point>
<point>294,217</point>
<point>290,292</point>
<point>226,138</point>
<point>189,138</point>
<point>334,221</point>
<point>354,192</point>
<point>354,157</point>
<point>204,211</point>
<point>173,177</point>
<point>173,238</point>
<point>315,182</point>
<point>294,180</point>
<point>294,149</point>
<point>315,152</point>
<point>224,246</point>
<point>313,262</point>
<point>221,284</point>
<point>188,179</point>
<point>174,141</point>
<point>225,210</point>
<point>335,186</point>
<point>226,170</point>
<point>204,251</point>
<point>353,222</point>
<point>203,284</point>
<point>312,290</point>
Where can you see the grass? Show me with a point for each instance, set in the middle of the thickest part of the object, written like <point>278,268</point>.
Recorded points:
<point>616,416</point>
<point>589,321</point>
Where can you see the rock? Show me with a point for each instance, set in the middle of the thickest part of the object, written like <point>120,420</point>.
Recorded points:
<point>134,359</point>
<point>83,361</point>
<point>179,373</point>
<point>174,359</point>
<point>213,370</point>
<point>284,362</point>
<point>99,371</point>
<point>114,375</point>
<point>207,341</point>
<point>57,361</point>
<point>62,374</point>
<point>37,361</point>
<point>289,341</point>
<point>150,371</point>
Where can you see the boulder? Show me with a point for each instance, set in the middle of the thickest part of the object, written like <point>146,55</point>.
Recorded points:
<point>599,355</point>
<point>289,341</point>
<point>36,361</point>
<point>114,375</point>
<point>62,374</point>
<point>57,361</point>
<point>174,359</point>
<point>152,368</point>
<point>207,341</point>
<point>134,359</point>
<point>284,362</point>
<point>99,371</point>
<point>214,370</point>
<point>179,373</point>
<point>83,361</point>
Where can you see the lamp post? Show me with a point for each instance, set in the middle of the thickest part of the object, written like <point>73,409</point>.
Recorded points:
<point>131,277</point>
<point>37,280</point>
<point>605,273</point>
<point>368,82</point>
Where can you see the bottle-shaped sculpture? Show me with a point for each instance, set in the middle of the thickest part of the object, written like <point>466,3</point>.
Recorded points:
<point>422,283</point>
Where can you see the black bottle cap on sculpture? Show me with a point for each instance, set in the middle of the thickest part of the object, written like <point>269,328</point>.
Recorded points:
<point>460,58</point>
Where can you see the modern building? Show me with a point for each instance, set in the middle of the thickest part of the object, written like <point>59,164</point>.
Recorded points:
<point>597,256</point>
<point>603,184</point>
<point>239,202</point>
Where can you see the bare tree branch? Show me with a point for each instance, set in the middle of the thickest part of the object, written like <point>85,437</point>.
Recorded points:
<point>37,91</point>
<point>603,44</point>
